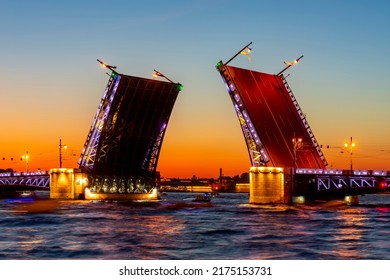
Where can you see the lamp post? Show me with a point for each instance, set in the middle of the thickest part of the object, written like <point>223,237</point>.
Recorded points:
<point>157,74</point>
<point>297,144</point>
<point>245,50</point>
<point>105,65</point>
<point>289,64</point>
<point>25,157</point>
<point>349,147</point>
<point>60,148</point>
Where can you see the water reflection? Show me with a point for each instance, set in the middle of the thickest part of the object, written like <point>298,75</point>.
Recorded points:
<point>349,243</point>
<point>33,207</point>
<point>228,228</point>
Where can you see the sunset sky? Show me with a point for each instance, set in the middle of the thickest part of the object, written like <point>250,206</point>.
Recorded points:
<point>51,83</point>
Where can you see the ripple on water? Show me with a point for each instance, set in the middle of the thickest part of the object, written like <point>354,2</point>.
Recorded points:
<point>227,228</point>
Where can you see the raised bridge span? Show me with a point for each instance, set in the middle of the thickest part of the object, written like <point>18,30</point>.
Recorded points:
<point>280,141</point>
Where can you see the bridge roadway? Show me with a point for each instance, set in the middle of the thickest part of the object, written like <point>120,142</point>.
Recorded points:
<point>335,183</point>
<point>316,183</point>
<point>39,180</point>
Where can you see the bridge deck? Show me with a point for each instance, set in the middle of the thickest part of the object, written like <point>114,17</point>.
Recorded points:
<point>322,183</point>
<point>274,113</point>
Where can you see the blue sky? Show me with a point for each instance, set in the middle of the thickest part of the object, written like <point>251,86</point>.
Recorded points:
<point>51,84</point>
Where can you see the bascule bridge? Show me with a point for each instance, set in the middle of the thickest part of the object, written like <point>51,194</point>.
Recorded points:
<point>286,160</point>
<point>121,152</point>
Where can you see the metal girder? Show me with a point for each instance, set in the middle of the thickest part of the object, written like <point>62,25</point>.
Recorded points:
<point>303,119</point>
<point>337,183</point>
<point>123,145</point>
<point>151,157</point>
<point>88,154</point>
<point>34,180</point>
<point>256,149</point>
<point>101,184</point>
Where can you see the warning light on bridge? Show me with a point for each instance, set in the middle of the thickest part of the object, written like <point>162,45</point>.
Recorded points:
<point>179,87</point>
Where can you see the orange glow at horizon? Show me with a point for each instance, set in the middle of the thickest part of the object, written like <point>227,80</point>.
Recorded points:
<point>184,161</point>
<point>188,149</point>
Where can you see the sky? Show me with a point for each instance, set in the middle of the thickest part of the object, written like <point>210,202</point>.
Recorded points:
<point>51,83</point>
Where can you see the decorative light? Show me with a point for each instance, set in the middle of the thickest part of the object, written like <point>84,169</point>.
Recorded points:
<point>159,74</point>
<point>156,74</point>
<point>289,64</point>
<point>26,157</point>
<point>105,65</point>
<point>247,52</point>
<point>349,147</point>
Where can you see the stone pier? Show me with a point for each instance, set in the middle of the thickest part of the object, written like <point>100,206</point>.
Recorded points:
<point>268,186</point>
<point>67,183</point>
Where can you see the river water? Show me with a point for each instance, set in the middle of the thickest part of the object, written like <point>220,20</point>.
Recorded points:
<point>179,229</point>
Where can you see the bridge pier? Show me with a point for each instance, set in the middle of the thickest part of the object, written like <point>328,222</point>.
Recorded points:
<point>272,185</point>
<point>67,183</point>
<point>267,186</point>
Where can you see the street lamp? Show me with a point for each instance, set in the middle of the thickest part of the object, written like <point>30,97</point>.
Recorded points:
<point>25,157</point>
<point>297,144</point>
<point>159,74</point>
<point>60,148</point>
<point>289,64</point>
<point>105,65</point>
<point>349,147</point>
<point>245,50</point>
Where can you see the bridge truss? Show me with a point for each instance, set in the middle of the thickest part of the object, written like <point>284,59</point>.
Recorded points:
<point>257,153</point>
<point>89,152</point>
<point>123,145</point>
<point>33,179</point>
<point>319,182</point>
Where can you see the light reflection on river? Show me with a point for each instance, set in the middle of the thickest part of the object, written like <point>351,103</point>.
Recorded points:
<point>176,228</point>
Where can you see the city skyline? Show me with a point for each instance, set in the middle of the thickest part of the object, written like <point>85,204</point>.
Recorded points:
<point>51,83</point>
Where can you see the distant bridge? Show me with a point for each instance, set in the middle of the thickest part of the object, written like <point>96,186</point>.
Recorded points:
<point>31,180</point>
<point>323,183</point>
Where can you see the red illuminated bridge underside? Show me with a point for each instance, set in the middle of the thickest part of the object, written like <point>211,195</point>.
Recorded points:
<point>276,119</point>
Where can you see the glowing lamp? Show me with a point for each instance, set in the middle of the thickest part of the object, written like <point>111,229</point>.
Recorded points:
<point>179,87</point>
<point>247,52</point>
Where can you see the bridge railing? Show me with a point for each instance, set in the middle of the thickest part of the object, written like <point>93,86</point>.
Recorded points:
<point>33,179</point>
<point>346,181</point>
<point>343,172</point>
<point>15,173</point>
